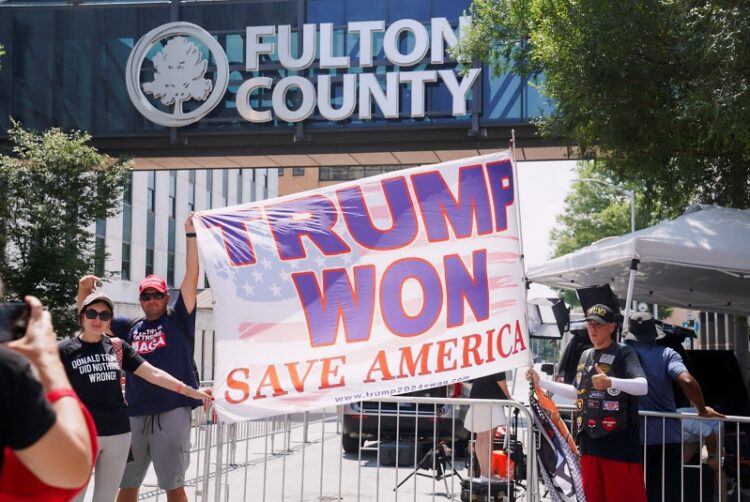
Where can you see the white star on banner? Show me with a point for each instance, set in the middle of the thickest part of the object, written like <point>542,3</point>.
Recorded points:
<point>249,290</point>
<point>275,290</point>
<point>266,263</point>
<point>257,275</point>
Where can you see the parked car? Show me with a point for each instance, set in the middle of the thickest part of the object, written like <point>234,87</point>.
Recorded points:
<point>378,421</point>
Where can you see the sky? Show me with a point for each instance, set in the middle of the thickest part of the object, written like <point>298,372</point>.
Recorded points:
<point>542,187</point>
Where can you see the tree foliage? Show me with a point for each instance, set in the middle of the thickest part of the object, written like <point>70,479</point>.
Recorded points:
<point>596,210</point>
<point>52,187</point>
<point>658,89</point>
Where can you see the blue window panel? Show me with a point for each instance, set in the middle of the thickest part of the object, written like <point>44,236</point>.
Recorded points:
<point>235,48</point>
<point>359,10</point>
<point>408,9</point>
<point>235,80</point>
<point>502,97</point>
<point>236,16</point>
<point>325,11</point>
<point>451,9</point>
<point>538,105</point>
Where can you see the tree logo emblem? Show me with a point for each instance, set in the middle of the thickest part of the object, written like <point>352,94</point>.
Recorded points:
<point>179,75</point>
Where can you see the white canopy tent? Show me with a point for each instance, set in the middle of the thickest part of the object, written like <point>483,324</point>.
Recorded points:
<point>700,261</point>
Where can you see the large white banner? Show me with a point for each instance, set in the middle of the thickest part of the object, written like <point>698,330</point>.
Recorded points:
<point>370,288</point>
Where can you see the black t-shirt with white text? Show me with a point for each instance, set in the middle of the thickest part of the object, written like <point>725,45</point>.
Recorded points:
<point>94,372</point>
<point>25,413</point>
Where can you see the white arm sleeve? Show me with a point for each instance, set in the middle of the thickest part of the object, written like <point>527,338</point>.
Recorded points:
<point>563,389</point>
<point>633,386</point>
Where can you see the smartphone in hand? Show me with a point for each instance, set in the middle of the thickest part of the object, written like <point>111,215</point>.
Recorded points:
<point>14,316</point>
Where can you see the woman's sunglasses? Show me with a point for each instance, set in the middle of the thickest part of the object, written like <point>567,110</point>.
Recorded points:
<point>104,315</point>
<point>151,296</point>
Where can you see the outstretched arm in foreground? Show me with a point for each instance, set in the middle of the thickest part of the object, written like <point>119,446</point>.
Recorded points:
<point>62,457</point>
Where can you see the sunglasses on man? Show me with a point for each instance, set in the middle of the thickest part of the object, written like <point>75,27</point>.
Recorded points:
<point>158,295</point>
<point>104,315</point>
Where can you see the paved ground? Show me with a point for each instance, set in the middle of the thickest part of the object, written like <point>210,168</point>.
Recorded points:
<point>279,467</point>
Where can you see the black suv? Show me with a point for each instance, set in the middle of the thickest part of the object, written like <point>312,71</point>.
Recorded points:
<point>378,421</point>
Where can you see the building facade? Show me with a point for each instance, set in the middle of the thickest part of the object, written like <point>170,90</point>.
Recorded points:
<point>224,102</point>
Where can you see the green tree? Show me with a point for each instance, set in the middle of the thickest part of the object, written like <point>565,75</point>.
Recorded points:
<point>53,186</point>
<point>594,210</point>
<point>658,89</point>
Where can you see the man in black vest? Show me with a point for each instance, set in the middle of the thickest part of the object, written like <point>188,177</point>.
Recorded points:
<point>608,379</point>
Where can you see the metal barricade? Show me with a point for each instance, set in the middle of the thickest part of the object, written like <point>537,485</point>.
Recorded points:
<point>407,456</point>
<point>408,448</point>
<point>710,462</point>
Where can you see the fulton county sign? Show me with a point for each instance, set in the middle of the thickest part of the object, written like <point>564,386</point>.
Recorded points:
<point>179,72</point>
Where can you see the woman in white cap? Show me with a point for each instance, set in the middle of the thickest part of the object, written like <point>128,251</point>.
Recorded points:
<point>93,362</point>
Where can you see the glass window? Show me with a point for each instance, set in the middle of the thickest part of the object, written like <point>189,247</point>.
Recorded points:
<point>151,193</point>
<point>171,251</point>
<point>170,270</point>
<point>209,189</point>
<point>149,261</point>
<point>127,192</point>
<point>253,187</point>
<point>150,221</point>
<point>127,227</point>
<point>298,171</point>
<point>100,247</point>
<point>240,180</point>
<point>172,194</point>
<point>353,172</point>
<point>125,264</point>
<point>191,191</point>
<point>281,172</point>
<point>224,187</point>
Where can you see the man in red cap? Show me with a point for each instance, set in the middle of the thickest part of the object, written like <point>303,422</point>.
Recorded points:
<point>159,418</point>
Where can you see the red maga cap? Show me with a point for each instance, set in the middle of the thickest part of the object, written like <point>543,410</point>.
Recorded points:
<point>153,281</point>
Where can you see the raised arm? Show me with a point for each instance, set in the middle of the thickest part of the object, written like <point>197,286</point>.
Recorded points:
<point>155,376</point>
<point>189,286</point>
<point>86,286</point>
<point>62,457</point>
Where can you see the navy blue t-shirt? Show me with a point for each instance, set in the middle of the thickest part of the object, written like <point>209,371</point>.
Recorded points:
<point>167,343</point>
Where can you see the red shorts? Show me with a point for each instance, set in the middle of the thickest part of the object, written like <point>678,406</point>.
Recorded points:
<point>607,480</point>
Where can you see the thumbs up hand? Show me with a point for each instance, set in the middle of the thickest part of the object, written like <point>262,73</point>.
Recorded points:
<point>600,380</point>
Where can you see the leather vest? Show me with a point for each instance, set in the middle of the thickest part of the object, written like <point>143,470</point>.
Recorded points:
<point>600,412</point>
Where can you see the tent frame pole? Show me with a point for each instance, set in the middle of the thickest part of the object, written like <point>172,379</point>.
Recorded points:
<point>629,301</point>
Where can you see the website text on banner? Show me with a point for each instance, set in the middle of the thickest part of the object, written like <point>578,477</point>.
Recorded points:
<point>369,288</point>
